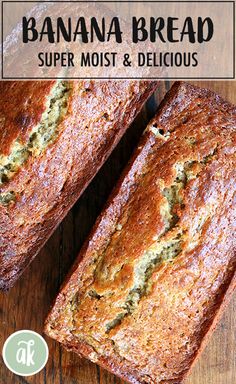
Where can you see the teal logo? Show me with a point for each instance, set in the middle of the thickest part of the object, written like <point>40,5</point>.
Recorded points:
<point>25,353</point>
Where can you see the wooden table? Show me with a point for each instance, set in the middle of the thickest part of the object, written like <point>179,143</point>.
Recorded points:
<point>27,304</point>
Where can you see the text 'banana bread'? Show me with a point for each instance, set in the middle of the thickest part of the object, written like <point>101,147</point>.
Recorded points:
<point>161,258</point>
<point>54,136</point>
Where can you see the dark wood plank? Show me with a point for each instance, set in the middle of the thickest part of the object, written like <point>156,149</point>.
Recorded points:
<point>27,304</point>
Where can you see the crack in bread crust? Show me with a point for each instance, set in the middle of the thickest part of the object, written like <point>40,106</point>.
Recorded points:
<point>163,250</point>
<point>40,137</point>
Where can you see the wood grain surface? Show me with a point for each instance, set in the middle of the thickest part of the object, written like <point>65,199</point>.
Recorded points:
<point>27,304</point>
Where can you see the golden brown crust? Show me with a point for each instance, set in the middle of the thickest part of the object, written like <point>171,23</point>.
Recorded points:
<point>161,257</point>
<point>48,184</point>
<point>22,105</point>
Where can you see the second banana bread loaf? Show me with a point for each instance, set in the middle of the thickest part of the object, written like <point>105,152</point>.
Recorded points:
<point>161,258</point>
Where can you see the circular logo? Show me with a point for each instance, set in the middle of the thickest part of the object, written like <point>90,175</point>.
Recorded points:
<point>25,352</point>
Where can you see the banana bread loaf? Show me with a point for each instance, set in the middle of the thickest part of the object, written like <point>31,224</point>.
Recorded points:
<point>161,258</point>
<point>54,136</point>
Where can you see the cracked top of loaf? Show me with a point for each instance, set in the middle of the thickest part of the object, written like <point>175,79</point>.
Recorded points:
<point>54,136</point>
<point>161,256</point>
